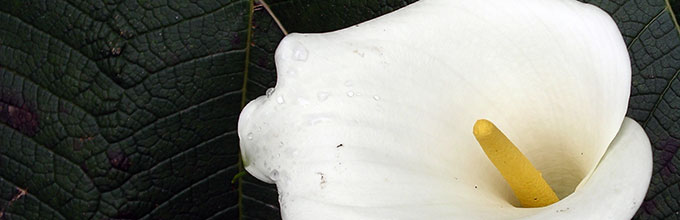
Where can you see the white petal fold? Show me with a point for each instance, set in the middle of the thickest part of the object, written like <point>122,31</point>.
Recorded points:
<point>616,188</point>
<point>375,121</point>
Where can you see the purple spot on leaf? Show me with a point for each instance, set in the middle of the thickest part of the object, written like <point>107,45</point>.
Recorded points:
<point>83,166</point>
<point>118,160</point>
<point>15,112</point>
<point>236,41</point>
<point>649,206</point>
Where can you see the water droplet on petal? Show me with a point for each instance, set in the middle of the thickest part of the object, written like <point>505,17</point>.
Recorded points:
<point>349,83</point>
<point>322,96</point>
<point>376,98</point>
<point>350,94</point>
<point>274,175</point>
<point>250,136</point>
<point>300,53</point>
<point>270,91</point>
<point>280,100</point>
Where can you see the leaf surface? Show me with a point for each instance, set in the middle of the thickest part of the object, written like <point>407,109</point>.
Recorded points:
<point>128,109</point>
<point>120,109</point>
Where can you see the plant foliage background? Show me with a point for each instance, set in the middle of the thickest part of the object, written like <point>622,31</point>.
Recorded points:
<point>127,109</point>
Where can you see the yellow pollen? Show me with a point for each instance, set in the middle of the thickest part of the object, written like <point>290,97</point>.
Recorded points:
<point>526,182</point>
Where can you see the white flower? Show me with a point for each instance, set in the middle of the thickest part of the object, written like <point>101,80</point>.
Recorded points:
<point>375,121</point>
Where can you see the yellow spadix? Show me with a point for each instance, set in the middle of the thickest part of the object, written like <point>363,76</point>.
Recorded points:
<point>526,182</point>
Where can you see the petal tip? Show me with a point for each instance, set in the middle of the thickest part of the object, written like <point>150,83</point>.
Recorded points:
<point>248,144</point>
<point>291,49</point>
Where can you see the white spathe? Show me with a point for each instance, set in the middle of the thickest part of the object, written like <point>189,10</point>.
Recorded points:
<point>375,121</point>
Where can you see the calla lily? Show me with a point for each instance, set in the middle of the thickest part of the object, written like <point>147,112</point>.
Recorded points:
<point>375,121</point>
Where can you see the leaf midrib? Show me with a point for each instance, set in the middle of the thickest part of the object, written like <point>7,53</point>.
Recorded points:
<point>244,90</point>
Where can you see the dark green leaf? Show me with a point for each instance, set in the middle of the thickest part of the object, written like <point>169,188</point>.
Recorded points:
<point>120,109</point>
<point>127,109</point>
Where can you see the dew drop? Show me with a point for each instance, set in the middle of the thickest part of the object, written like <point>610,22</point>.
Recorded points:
<point>350,94</point>
<point>280,100</point>
<point>274,175</point>
<point>270,91</point>
<point>376,98</point>
<point>349,83</point>
<point>250,136</point>
<point>177,17</point>
<point>322,96</point>
<point>300,53</point>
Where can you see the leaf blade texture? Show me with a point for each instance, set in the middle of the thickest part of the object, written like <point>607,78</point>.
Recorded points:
<point>128,109</point>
